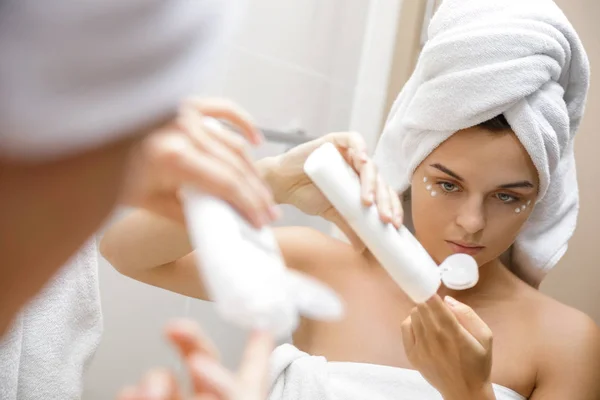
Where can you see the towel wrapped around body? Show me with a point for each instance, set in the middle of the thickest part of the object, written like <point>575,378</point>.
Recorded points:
<point>296,375</point>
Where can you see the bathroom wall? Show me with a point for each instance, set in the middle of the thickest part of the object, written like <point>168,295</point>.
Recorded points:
<point>576,280</point>
<point>314,65</point>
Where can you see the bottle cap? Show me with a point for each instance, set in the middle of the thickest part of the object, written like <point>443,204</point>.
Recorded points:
<point>459,272</point>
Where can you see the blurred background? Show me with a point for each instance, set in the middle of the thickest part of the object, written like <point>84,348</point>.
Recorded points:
<point>304,68</point>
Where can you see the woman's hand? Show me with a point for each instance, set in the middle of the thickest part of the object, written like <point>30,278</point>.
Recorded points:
<point>451,347</point>
<point>210,380</point>
<point>291,185</point>
<point>211,158</point>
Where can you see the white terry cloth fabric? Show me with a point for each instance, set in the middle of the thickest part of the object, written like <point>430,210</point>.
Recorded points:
<point>77,75</point>
<point>44,354</point>
<point>296,375</point>
<point>485,58</point>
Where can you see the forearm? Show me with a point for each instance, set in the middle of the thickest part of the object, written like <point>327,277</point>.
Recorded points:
<point>143,240</point>
<point>268,169</point>
<point>180,276</point>
<point>48,211</point>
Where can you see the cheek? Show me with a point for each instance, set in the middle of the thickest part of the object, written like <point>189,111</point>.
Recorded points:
<point>431,219</point>
<point>503,230</point>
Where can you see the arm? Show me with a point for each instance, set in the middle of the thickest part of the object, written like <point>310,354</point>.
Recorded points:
<point>156,251</point>
<point>78,111</point>
<point>570,362</point>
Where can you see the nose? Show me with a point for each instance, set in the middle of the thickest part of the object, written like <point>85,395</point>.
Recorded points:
<point>471,216</point>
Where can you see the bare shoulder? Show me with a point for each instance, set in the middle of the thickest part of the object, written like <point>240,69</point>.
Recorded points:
<point>312,251</point>
<point>568,347</point>
<point>558,321</point>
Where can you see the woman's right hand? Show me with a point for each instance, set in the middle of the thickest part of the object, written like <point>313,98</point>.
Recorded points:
<point>291,185</point>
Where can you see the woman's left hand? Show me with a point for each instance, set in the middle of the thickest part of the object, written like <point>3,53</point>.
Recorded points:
<point>451,347</point>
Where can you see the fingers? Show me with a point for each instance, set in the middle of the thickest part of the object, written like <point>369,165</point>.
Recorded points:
<point>216,139</point>
<point>210,377</point>
<point>218,179</point>
<point>155,385</point>
<point>228,111</point>
<point>471,322</point>
<point>373,188</point>
<point>188,338</point>
<point>443,317</point>
<point>408,336</point>
<point>431,327</point>
<point>252,375</point>
<point>397,210</point>
<point>384,203</point>
<point>368,183</point>
<point>230,149</point>
<point>417,326</point>
<point>348,140</point>
<point>180,158</point>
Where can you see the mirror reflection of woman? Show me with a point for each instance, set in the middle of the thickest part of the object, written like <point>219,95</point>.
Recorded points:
<point>482,135</point>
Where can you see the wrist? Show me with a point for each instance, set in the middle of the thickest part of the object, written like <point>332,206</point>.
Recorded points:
<point>268,168</point>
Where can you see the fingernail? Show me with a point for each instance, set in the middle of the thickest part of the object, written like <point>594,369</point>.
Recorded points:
<point>363,156</point>
<point>451,301</point>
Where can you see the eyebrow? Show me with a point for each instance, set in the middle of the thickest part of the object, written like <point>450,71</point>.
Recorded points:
<point>521,184</point>
<point>447,171</point>
<point>514,185</point>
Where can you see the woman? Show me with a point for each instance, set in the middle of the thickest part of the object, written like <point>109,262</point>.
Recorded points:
<point>483,178</point>
<point>525,323</point>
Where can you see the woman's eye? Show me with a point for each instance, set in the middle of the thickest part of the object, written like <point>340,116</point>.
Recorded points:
<point>448,187</point>
<point>506,198</point>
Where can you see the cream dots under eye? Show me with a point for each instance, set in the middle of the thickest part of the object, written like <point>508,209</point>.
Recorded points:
<point>429,187</point>
<point>522,207</point>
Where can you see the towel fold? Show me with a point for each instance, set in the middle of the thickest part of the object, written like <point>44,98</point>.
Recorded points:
<point>519,58</point>
<point>296,375</point>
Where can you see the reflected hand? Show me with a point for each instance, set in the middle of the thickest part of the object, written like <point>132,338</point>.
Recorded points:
<point>210,379</point>
<point>208,157</point>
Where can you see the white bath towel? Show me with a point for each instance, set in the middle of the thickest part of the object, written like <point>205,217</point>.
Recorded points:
<point>295,375</point>
<point>485,58</point>
<point>53,339</point>
<point>79,75</point>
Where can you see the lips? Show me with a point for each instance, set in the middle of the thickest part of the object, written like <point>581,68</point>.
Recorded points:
<point>464,248</point>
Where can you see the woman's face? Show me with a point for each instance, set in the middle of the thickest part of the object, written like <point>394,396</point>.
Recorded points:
<point>473,194</point>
